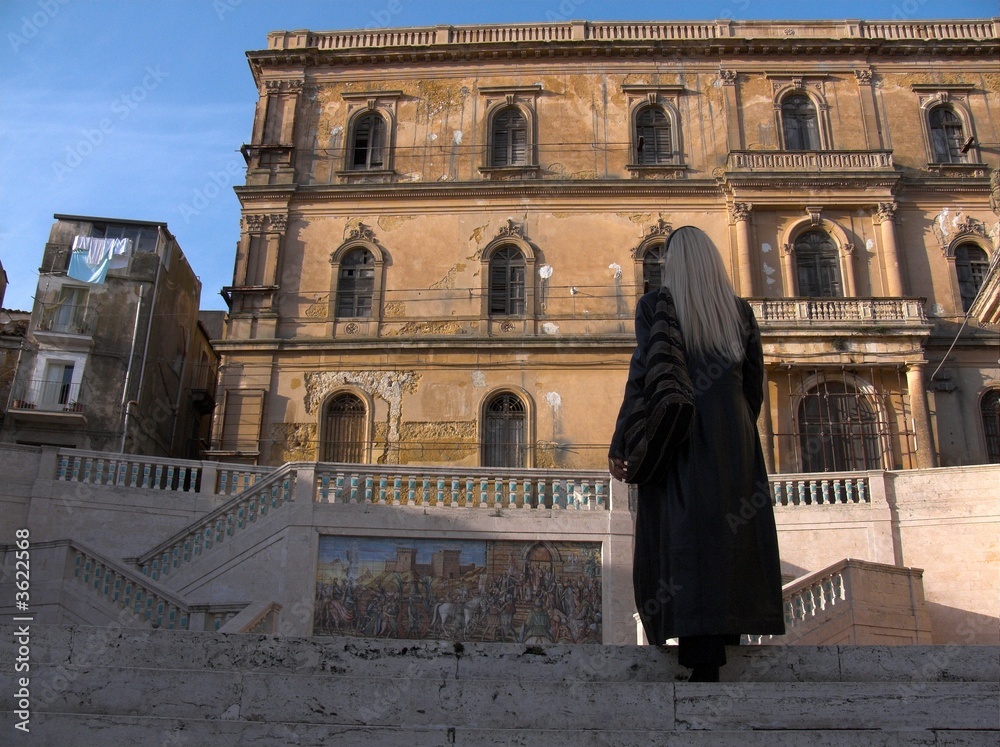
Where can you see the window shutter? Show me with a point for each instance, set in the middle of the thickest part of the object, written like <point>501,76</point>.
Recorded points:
<point>519,148</point>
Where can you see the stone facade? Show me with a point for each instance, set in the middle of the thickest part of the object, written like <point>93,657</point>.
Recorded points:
<point>445,231</point>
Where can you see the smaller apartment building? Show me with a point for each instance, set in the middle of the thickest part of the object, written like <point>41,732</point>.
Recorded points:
<point>115,357</point>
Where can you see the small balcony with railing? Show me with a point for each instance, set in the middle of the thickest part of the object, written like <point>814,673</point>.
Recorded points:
<point>66,325</point>
<point>51,401</point>
<point>848,317</point>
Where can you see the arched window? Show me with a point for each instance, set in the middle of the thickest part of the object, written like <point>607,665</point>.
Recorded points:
<point>990,409</point>
<point>838,430</point>
<point>505,432</point>
<point>817,266</point>
<point>800,123</point>
<point>653,144</point>
<point>356,284</point>
<point>507,271</point>
<point>344,429</point>
<point>509,138</point>
<point>368,143</point>
<point>971,264</point>
<point>947,135</point>
<point>652,267</point>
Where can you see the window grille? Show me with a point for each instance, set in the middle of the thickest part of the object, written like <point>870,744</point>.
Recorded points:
<point>344,429</point>
<point>505,433</point>
<point>990,408</point>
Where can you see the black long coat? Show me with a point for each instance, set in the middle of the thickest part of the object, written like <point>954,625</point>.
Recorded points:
<point>706,548</point>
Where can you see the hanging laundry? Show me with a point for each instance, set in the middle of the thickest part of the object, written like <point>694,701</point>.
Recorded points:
<point>92,257</point>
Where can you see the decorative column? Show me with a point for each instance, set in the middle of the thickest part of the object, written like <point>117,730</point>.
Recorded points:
<point>734,138</point>
<point>919,411</point>
<point>886,213</point>
<point>276,225</point>
<point>248,250</point>
<point>788,270</point>
<point>847,268</point>
<point>741,214</point>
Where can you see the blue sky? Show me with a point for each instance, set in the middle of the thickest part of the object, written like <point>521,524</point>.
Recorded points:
<point>137,109</point>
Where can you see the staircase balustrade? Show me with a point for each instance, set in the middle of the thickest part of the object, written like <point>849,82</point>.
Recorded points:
<point>445,488</point>
<point>817,490</point>
<point>247,508</point>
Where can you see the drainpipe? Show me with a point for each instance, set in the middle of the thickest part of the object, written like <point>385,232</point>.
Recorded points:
<point>180,389</point>
<point>126,403</point>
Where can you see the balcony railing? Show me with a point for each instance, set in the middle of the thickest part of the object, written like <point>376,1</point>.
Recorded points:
<point>875,311</point>
<point>861,161</point>
<point>48,396</point>
<point>67,319</point>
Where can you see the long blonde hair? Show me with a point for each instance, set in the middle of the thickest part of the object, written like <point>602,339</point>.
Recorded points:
<point>707,307</point>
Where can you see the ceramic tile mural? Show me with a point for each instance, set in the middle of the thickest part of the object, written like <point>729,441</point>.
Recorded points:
<point>469,590</point>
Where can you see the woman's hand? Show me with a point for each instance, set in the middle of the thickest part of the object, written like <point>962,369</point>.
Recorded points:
<point>618,469</point>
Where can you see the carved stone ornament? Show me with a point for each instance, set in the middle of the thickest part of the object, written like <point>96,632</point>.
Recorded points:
<point>513,228</point>
<point>787,250</point>
<point>848,250</point>
<point>971,226</point>
<point>815,215</point>
<point>742,210</point>
<point>728,77</point>
<point>294,86</point>
<point>662,228</point>
<point>277,222</point>
<point>995,191</point>
<point>253,223</point>
<point>363,232</point>
<point>886,210</point>
<point>272,86</point>
<point>864,77</point>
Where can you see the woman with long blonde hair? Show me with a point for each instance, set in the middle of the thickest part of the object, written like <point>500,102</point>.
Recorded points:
<point>706,567</point>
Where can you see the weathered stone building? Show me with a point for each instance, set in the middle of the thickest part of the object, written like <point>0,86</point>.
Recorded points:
<point>445,231</point>
<point>122,364</point>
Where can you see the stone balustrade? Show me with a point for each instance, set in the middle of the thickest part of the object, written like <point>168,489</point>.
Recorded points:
<point>245,509</point>
<point>468,488</point>
<point>127,590</point>
<point>580,31</point>
<point>154,473</point>
<point>862,161</point>
<point>839,488</point>
<point>873,311</point>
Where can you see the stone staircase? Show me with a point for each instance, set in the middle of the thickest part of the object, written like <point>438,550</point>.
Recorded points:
<point>111,685</point>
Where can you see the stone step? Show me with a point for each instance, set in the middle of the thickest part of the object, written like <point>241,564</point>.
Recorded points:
<point>115,686</point>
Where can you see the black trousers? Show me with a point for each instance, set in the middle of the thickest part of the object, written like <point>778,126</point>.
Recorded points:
<point>705,650</point>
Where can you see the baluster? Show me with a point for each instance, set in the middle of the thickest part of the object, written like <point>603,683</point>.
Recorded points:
<point>849,489</point>
<point>497,492</point>
<point>76,469</point>
<point>324,487</point>
<point>382,489</point>
<point>397,489</point>
<point>134,477</point>
<point>484,492</point>
<point>286,488</point>
<point>838,490</point>
<point>454,491</point>
<point>802,493</point>
<point>541,493</point>
<point>411,491</point>
<point>88,464</point>
<point>469,492</point>
<point>145,475</point>
<point>170,477</point>
<point>223,481</point>
<point>62,468</point>
<point>556,494</point>
<point>440,492</point>
<point>369,487</point>
<point>586,495</point>
<point>601,500</point>
<point>863,490</point>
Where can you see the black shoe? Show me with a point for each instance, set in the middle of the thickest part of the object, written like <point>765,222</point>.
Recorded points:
<point>704,674</point>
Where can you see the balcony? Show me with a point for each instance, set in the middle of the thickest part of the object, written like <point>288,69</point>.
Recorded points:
<point>816,162</point>
<point>854,312</point>
<point>44,401</point>
<point>66,326</point>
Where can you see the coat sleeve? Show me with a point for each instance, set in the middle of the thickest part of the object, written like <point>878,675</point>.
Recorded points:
<point>636,370</point>
<point>753,364</point>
